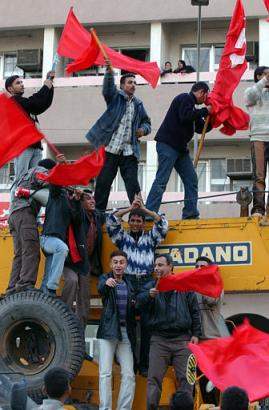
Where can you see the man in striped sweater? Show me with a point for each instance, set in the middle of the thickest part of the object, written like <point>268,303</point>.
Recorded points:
<point>257,102</point>
<point>139,245</point>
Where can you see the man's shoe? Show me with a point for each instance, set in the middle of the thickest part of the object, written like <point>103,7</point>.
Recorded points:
<point>51,292</point>
<point>264,221</point>
<point>143,372</point>
<point>24,288</point>
<point>257,215</point>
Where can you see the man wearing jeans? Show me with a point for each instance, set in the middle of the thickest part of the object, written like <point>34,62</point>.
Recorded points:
<point>174,320</point>
<point>119,129</point>
<point>173,136</point>
<point>117,334</point>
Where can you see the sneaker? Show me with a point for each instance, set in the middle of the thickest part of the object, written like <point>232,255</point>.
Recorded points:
<point>257,215</point>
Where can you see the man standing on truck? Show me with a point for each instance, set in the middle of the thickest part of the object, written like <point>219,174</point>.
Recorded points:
<point>176,131</point>
<point>174,321</point>
<point>120,127</point>
<point>117,333</point>
<point>257,102</point>
<point>139,246</point>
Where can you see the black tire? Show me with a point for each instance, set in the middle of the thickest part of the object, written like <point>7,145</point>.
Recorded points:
<point>38,332</point>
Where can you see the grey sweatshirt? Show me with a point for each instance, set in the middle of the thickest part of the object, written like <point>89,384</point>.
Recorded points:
<point>257,102</point>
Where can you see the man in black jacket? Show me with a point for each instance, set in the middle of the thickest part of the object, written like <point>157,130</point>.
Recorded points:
<point>34,105</point>
<point>174,321</point>
<point>117,333</point>
<point>176,131</point>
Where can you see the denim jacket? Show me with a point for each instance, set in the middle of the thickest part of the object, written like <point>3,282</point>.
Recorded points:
<point>107,124</point>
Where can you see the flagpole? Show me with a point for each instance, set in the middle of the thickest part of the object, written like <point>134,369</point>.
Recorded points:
<point>51,146</point>
<point>201,143</point>
<point>100,45</point>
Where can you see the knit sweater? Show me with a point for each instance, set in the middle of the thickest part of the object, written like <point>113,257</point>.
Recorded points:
<point>257,102</point>
<point>140,254</point>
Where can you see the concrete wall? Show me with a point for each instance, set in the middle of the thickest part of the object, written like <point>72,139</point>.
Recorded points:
<point>37,13</point>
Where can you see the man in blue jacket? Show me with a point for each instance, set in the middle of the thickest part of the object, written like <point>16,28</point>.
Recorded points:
<point>176,131</point>
<point>119,129</point>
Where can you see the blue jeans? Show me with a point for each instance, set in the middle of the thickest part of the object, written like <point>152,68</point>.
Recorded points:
<point>169,158</point>
<point>56,252</point>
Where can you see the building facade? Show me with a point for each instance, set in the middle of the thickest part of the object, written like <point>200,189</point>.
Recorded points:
<point>147,30</point>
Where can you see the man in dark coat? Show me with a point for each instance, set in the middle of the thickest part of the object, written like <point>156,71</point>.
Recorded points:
<point>117,333</point>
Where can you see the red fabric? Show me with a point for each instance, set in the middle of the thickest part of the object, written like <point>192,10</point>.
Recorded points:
<point>86,59</point>
<point>239,360</point>
<point>72,245</point>
<point>148,70</point>
<point>228,77</point>
<point>79,172</point>
<point>74,39</point>
<point>16,129</point>
<point>205,280</point>
<point>266,3</point>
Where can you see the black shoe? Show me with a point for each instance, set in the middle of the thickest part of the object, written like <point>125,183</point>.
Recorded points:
<point>51,292</point>
<point>143,372</point>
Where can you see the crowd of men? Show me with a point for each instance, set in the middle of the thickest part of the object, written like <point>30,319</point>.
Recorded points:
<point>71,239</point>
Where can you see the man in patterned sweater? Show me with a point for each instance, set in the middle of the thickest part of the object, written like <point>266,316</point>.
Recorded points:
<point>139,245</point>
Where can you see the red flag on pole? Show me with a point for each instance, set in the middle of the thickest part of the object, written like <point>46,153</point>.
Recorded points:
<point>205,280</point>
<point>239,360</point>
<point>17,131</point>
<point>74,39</point>
<point>232,66</point>
<point>79,172</point>
<point>266,3</point>
<point>86,59</point>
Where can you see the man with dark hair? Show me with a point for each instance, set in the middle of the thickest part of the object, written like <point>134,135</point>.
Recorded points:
<point>24,230</point>
<point>234,398</point>
<point>174,321</point>
<point>257,102</point>
<point>117,333</point>
<point>57,388</point>
<point>173,136</point>
<point>139,246</point>
<point>181,400</point>
<point>119,129</point>
<point>34,105</point>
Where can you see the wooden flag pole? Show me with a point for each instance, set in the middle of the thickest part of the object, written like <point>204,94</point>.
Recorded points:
<point>100,45</point>
<point>201,143</point>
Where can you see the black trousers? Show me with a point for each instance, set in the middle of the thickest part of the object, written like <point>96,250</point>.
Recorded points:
<point>128,166</point>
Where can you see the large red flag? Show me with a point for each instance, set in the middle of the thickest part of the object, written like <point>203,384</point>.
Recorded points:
<point>17,131</point>
<point>74,39</point>
<point>79,172</point>
<point>232,66</point>
<point>86,59</point>
<point>266,2</point>
<point>205,280</point>
<point>239,360</point>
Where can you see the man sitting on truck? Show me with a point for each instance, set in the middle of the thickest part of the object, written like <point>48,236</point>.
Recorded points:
<point>139,246</point>
<point>174,321</point>
<point>117,333</point>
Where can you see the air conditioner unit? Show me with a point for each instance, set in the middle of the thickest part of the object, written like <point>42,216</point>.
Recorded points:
<point>239,168</point>
<point>30,60</point>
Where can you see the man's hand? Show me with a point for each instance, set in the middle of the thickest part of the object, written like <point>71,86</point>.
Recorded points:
<point>111,282</point>
<point>194,340</point>
<point>136,202</point>
<point>50,75</point>
<point>61,158</point>
<point>78,194</point>
<point>153,292</point>
<point>139,132</point>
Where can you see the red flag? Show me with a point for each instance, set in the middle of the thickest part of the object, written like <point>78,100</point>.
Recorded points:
<point>205,280</point>
<point>239,360</point>
<point>232,66</point>
<point>17,131</point>
<point>86,59</point>
<point>79,172</point>
<point>266,3</point>
<point>148,70</point>
<point>74,39</point>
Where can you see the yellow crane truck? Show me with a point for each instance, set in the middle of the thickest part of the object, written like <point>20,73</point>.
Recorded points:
<point>38,331</point>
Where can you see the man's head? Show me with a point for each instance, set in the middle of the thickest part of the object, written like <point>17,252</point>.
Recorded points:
<point>136,220</point>
<point>181,400</point>
<point>57,384</point>
<point>200,90</point>
<point>47,163</point>
<point>88,201</point>
<point>234,398</point>
<point>202,261</point>
<point>128,84</point>
<point>118,263</point>
<point>14,85</point>
<point>168,65</point>
<point>181,64</point>
<point>260,72</point>
<point>163,265</point>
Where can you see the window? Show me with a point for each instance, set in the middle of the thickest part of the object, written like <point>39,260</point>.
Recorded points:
<point>10,65</point>
<point>218,171</point>
<point>190,57</point>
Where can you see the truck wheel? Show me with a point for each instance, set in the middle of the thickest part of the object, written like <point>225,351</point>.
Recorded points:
<point>38,332</point>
